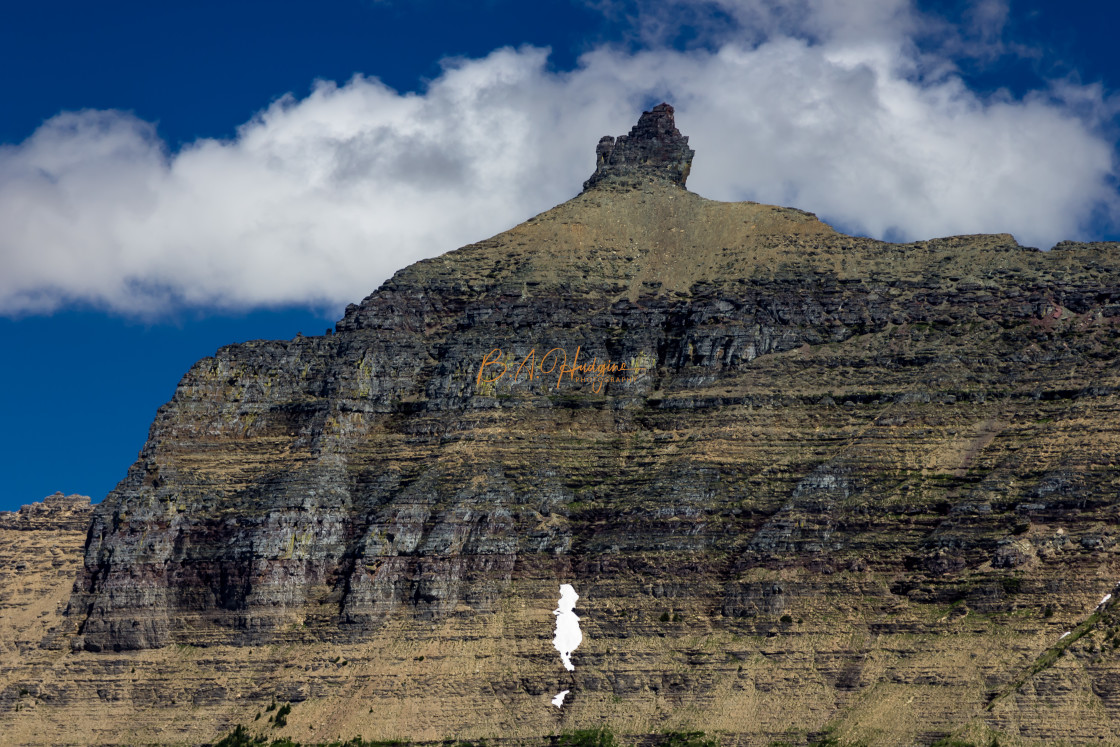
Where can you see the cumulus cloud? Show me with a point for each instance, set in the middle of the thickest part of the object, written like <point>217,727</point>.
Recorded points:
<point>831,106</point>
<point>314,201</point>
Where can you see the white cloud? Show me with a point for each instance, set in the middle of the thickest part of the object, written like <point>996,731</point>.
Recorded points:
<point>825,105</point>
<point>316,200</point>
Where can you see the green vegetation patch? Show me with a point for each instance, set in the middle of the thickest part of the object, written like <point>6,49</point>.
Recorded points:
<point>241,737</point>
<point>588,738</point>
<point>688,739</point>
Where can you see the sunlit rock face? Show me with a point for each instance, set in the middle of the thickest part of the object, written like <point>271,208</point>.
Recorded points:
<point>803,479</point>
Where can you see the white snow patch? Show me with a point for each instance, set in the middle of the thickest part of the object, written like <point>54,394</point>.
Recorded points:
<point>1063,635</point>
<point>568,635</point>
<point>1106,598</point>
<point>559,699</point>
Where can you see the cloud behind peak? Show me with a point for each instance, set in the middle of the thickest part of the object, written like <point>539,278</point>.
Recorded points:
<point>317,200</point>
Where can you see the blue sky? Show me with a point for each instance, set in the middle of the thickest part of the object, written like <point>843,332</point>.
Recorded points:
<point>179,176</point>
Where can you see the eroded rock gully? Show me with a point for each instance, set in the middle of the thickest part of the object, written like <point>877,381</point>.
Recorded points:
<point>810,482</point>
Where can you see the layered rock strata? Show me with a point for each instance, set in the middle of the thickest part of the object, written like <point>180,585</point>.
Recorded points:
<point>803,482</point>
<point>40,554</point>
<point>654,151</point>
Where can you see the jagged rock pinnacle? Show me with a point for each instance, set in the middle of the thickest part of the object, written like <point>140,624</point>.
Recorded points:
<point>654,150</point>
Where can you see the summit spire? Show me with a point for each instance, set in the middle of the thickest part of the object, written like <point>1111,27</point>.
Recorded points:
<point>654,150</point>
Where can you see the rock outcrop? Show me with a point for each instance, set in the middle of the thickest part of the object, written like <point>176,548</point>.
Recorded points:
<point>801,482</point>
<point>57,512</point>
<point>40,554</point>
<point>654,150</point>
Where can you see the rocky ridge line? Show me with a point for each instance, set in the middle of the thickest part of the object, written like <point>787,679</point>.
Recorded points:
<point>55,512</point>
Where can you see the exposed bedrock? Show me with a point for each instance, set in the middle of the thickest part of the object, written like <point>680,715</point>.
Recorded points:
<point>790,473</point>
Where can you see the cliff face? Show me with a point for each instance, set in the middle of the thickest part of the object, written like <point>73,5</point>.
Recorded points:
<point>800,481</point>
<point>40,554</point>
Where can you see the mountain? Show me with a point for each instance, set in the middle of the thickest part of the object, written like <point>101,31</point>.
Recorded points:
<point>807,486</point>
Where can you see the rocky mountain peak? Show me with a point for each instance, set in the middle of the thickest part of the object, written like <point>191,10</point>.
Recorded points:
<point>654,150</point>
<point>744,439</point>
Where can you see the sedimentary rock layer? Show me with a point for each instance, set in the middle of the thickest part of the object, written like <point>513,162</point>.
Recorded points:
<point>800,480</point>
